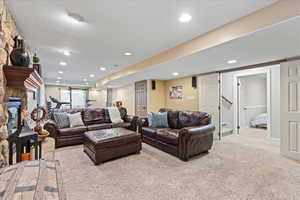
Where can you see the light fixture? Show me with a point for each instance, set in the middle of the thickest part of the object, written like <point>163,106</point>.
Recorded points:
<point>185,18</point>
<point>59,78</point>
<point>57,81</point>
<point>84,79</point>
<point>63,63</point>
<point>67,53</point>
<point>232,61</point>
<point>127,54</point>
<point>86,83</point>
<point>175,73</point>
<point>102,68</point>
<point>92,75</point>
<point>60,72</point>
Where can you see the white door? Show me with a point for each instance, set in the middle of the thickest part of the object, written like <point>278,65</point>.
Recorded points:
<point>290,109</point>
<point>209,98</point>
<point>141,99</point>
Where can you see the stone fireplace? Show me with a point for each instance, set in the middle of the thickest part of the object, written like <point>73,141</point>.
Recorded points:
<point>8,31</point>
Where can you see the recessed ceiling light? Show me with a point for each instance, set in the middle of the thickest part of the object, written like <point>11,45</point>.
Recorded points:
<point>86,83</point>
<point>127,54</point>
<point>63,63</point>
<point>67,53</point>
<point>92,75</point>
<point>84,79</point>
<point>185,17</point>
<point>57,81</point>
<point>59,78</point>
<point>102,68</point>
<point>175,74</point>
<point>232,61</point>
<point>60,72</point>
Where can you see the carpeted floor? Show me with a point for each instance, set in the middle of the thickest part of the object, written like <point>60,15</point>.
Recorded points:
<point>237,168</point>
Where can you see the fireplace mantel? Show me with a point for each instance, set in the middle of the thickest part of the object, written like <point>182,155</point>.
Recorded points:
<point>22,78</point>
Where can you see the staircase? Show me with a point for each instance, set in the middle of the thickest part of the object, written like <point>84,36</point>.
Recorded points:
<point>226,129</point>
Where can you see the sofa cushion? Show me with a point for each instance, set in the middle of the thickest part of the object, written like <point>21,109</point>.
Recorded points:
<point>169,136</point>
<point>94,127</point>
<point>188,119</point>
<point>123,112</point>
<point>121,125</point>
<point>150,132</point>
<point>94,116</point>
<point>72,131</point>
<point>172,117</point>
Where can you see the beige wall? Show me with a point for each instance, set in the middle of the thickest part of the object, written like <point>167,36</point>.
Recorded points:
<point>159,98</point>
<point>99,96</point>
<point>156,99</point>
<point>125,94</point>
<point>190,95</point>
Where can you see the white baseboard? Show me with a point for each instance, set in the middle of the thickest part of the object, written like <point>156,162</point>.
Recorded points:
<point>275,141</point>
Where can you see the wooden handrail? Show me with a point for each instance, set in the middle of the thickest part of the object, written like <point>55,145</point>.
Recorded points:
<point>227,100</point>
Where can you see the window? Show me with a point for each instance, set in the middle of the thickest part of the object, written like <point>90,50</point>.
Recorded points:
<point>77,97</point>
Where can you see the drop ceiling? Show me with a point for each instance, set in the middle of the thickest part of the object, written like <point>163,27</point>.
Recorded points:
<point>114,27</point>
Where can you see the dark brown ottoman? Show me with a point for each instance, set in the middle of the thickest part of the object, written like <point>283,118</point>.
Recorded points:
<point>103,145</point>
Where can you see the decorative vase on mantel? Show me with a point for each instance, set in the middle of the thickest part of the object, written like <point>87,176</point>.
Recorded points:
<point>19,56</point>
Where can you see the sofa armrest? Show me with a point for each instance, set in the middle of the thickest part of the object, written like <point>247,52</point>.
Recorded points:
<point>195,140</point>
<point>133,120</point>
<point>194,132</point>
<point>142,122</point>
<point>51,127</point>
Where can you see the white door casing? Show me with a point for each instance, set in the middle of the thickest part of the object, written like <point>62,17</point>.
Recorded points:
<point>209,98</point>
<point>290,109</point>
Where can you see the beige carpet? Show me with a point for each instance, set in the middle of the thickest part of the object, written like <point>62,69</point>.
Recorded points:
<point>235,169</point>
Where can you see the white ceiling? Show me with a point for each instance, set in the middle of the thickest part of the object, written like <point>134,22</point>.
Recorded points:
<point>113,27</point>
<point>273,43</point>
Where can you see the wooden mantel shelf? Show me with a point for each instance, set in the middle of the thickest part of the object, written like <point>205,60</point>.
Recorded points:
<point>22,78</point>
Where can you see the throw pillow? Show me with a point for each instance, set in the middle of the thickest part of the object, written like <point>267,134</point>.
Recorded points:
<point>75,119</point>
<point>158,120</point>
<point>62,119</point>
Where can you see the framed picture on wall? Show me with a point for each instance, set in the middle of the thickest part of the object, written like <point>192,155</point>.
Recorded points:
<point>175,92</point>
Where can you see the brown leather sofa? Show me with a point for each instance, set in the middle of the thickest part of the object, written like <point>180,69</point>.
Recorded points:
<point>189,133</point>
<point>93,119</point>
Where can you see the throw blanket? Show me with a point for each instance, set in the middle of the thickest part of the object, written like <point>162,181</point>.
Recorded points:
<point>114,114</point>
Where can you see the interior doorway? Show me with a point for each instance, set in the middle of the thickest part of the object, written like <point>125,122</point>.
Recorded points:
<point>253,104</point>
<point>250,102</point>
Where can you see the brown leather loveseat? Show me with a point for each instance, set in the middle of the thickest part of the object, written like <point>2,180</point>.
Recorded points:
<point>93,119</point>
<point>189,133</point>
